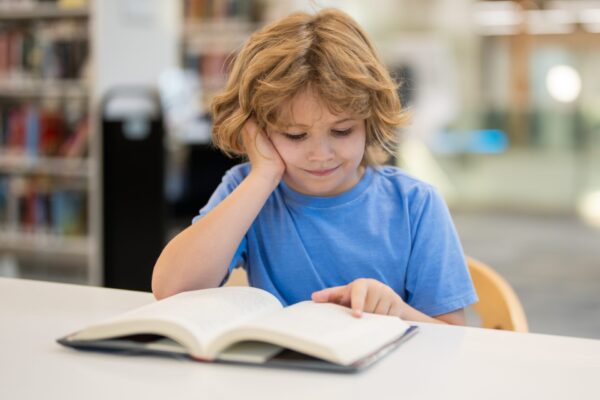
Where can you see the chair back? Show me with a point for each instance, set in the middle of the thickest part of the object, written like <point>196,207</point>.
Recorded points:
<point>238,277</point>
<point>499,306</point>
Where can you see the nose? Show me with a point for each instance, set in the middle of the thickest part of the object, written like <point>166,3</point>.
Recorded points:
<point>321,149</point>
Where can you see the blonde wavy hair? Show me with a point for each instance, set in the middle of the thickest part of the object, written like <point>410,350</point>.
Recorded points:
<point>327,53</point>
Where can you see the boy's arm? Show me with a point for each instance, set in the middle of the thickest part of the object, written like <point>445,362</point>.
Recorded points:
<point>199,256</point>
<point>452,318</point>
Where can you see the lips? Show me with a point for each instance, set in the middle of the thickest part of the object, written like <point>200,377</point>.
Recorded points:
<point>322,172</point>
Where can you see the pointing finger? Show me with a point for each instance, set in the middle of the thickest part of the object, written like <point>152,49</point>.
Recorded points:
<point>358,295</point>
<point>329,294</point>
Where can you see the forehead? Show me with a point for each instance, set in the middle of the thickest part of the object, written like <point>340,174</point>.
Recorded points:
<point>308,109</point>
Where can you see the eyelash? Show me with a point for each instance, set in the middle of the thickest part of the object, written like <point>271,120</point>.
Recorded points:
<point>294,136</point>
<point>300,136</point>
<point>342,133</point>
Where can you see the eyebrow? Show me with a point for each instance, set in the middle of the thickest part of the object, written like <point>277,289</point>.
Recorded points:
<point>298,125</point>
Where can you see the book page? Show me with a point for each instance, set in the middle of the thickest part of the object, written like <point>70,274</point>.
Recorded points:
<point>204,314</point>
<point>323,330</point>
<point>250,352</point>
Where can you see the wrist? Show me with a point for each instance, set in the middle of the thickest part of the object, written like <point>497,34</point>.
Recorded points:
<point>268,178</point>
<point>402,308</point>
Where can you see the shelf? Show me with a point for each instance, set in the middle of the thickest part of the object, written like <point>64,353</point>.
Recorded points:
<point>43,88</point>
<point>564,18</point>
<point>219,36</point>
<point>193,26</point>
<point>45,245</point>
<point>41,11</point>
<point>54,166</point>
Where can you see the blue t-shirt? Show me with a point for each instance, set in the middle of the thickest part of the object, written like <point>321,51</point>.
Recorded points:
<point>390,227</point>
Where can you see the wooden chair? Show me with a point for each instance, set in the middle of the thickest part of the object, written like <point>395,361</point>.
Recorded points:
<point>498,306</point>
<point>237,277</point>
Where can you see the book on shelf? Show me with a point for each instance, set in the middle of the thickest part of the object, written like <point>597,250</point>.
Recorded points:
<point>56,50</point>
<point>33,131</point>
<point>40,205</point>
<point>68,213</point>
<point>4,201</point>
<point>76,144</point>
<point>245,325</point>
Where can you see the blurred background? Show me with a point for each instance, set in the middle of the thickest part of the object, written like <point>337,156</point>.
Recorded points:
<point>105,132</point>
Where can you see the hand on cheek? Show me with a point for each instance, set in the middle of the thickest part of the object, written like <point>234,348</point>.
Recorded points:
<point>363,295</point>
<point>261,152</point>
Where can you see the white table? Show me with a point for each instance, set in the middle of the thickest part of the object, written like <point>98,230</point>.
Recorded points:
<point>441,362</point>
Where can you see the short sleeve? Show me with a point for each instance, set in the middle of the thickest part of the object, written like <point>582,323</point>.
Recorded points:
<point>437,279</point>
<point>230,181</point>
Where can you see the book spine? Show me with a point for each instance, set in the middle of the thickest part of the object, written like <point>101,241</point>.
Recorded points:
<point>68,213</point>
<point>32,131</point>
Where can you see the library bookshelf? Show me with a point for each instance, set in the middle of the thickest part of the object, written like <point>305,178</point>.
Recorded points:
<point>48,178</point>
<point>213,31</point>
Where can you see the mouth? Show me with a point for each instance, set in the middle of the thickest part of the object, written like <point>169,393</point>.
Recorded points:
<point>322,172</point>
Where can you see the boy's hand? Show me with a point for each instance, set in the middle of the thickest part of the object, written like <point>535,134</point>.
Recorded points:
<point>368,295</point>
<point>264,158</point>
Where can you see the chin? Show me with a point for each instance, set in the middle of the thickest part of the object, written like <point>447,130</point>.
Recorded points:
<point>313,186</point>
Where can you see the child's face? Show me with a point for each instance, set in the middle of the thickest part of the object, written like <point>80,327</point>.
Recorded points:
<point>322,152</point>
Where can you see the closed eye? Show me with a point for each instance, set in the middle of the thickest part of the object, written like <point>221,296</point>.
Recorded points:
<point>342,132</point>
<point>294,136</point>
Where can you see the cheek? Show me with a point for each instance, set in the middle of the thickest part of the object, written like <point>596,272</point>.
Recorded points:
<point>354,147</point>
<point>287,151</point>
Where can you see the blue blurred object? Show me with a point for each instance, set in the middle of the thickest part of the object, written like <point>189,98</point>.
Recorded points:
<point>484,141</point>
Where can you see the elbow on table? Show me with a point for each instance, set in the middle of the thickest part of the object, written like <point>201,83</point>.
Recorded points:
<point>162,290</point>
<point>164,286</point>
<point>159,289</point>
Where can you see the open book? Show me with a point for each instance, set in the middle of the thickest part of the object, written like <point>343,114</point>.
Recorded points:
<point>247,325</point>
